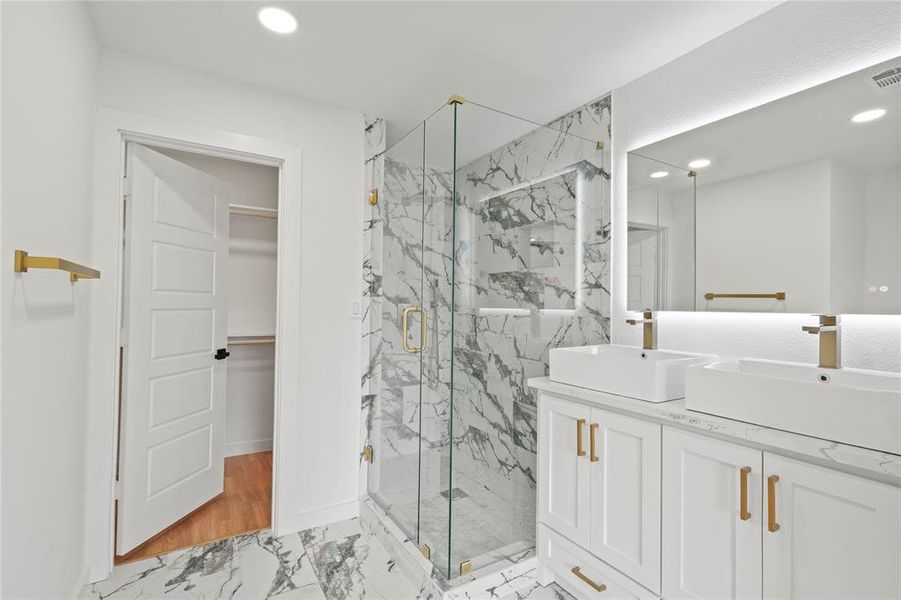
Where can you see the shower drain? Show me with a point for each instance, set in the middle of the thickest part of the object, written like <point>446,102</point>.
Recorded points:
<point>455,494</point>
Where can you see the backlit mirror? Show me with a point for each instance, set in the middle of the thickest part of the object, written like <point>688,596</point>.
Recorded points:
<point>793,206</point>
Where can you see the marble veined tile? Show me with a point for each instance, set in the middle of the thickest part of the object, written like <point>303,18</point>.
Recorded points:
<point>248,566</point>
<point>351,563</point>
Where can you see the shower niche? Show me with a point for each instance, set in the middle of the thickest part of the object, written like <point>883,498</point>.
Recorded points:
<point>488,245</point>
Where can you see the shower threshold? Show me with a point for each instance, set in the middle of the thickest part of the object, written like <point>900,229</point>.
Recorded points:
<point>496,574</point>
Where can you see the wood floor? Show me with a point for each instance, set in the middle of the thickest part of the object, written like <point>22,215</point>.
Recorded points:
<point>243,507</point>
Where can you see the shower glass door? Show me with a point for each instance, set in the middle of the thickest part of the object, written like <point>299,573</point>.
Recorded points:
<point>490,245</point>
<point>412,240</point>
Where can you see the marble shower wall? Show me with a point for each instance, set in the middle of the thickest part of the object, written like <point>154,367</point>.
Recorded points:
<point>532,252</point>
<point>530,272</point>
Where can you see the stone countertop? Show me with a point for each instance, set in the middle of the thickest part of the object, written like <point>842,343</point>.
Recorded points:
<point>881,466</point>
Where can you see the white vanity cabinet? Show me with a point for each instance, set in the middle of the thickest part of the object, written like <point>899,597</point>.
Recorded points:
<point>711,518</point>
<point>599,485</point>
<point>631,508</point>
<point>829,535</point>
<point>741,523</point>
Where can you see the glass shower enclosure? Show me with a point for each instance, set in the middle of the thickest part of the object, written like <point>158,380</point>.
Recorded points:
<point>490,242</point>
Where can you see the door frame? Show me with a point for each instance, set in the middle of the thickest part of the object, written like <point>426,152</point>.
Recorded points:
<point>114,128</point>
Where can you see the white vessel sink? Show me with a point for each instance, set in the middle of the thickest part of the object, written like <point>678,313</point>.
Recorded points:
<point>652,375</point>
<point>850,406</point>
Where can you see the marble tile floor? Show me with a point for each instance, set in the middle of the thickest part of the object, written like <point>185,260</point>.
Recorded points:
<point>341,561</point>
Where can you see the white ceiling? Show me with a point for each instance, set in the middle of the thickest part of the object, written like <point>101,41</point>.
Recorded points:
<point>811,124</point>
<point>401,60</point>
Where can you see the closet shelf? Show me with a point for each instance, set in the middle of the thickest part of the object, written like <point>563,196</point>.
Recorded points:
<point>245,210</point>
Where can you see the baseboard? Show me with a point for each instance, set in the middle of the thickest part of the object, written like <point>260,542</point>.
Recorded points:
<point>83,580</point>
<point>329,514</point>
<point>238,448</point>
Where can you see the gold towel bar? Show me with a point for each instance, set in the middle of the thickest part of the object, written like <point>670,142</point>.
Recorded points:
<point>76,271</point>
<point>775,296</point>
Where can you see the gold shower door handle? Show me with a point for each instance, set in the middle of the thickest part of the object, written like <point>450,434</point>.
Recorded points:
<point>772,525</point>
<point>580,449</point>
<point>744,513</point>
<point>423,332</point>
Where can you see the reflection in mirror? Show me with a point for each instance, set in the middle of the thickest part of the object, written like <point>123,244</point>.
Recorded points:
<point>661,243</point>
<point>797,208</point>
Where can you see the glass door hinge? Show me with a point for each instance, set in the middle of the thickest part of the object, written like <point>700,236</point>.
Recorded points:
<point>367,454</point>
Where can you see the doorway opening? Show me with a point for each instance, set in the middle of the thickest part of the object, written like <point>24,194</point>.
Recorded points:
<point>197,377</point>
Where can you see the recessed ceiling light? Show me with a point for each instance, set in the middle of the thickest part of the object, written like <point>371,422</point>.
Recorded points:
<point>659,174</point>
<point>277,19</point>
<point>868,115</point>
<point>699,163</point>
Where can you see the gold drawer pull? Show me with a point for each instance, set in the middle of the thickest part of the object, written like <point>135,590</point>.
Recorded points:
<point>772,525</point>
<point>580,451</point>
<point>598,587</point>
<point>592,430</point>
<point>743,509</point>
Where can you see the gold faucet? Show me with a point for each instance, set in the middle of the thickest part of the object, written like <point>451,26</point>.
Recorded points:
<point>649,334</point>
<point>830,332</point>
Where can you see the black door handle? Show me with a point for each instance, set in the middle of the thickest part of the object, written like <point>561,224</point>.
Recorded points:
<point>222,354</point>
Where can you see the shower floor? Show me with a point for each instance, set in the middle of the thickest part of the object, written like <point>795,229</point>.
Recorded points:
<point>485,526</point>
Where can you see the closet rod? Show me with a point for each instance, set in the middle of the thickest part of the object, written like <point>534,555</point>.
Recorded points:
<point>245,210</point>
<point>248,340</point>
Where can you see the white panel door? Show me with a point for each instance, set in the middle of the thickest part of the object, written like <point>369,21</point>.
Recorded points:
<point>563,467</point>
<point>625,495</point>
<point>175,311</point>
<point>836,535</point>
<point>711,530</point>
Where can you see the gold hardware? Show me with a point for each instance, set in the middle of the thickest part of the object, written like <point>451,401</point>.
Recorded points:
<point>426,551</point>
<point>455,99</point>
<point>367,454</point>
<point>373,197</point>
<point>592,430</point>
<point>466,567</point>
<point>743,508</point>
<point>774,296</point>
<point>598,587</point>
<point>772,525</point>
<point>599,145</point>
<point>649,329</point>
<point>580,451</point>
<point>24,262</point>
<point>830,333</point>
<point>423,333</point>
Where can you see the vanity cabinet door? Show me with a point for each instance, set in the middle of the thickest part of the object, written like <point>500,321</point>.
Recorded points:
<point>563,467</point>
<point>711,518</point>
<point>828,534</point>
<point>625,495</point>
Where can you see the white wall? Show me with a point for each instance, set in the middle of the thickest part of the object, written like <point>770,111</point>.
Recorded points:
<point>789,48</point>
<point>328,371</point>
<point>48,103</point>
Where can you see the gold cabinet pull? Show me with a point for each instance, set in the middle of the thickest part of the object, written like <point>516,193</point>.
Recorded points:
<point>403,330</point>
<point>580,451</point>
<point>598,587</point>
<point>772,525</point>
<point>592,431</point>
<point>743,508</point>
